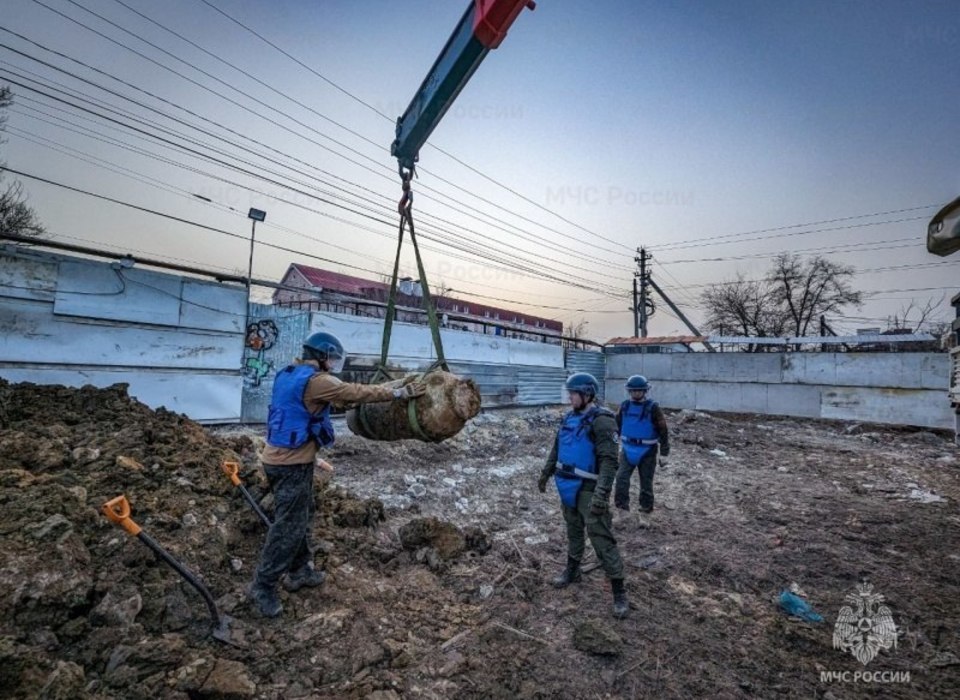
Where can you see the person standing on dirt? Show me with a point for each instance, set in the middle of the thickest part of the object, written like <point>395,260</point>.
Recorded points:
<point>299,424</point>
<point>583,462</point>
<point>643,429</point>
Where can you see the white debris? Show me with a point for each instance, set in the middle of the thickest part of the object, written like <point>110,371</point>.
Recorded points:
<point>718,453</point>
<point>924,496</point>
<point>506,471</point>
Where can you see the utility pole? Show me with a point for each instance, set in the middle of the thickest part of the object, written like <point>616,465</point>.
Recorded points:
<point>645,307</point>
<point>636,316</point>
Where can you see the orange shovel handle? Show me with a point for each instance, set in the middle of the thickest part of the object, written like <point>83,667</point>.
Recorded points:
<point>231,469</point>
<point>117,511</point>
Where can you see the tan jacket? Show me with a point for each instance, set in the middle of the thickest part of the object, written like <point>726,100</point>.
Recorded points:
<point>322,389</point>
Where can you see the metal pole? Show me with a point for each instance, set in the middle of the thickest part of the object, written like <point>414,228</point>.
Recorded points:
<point>253,233</point>
<point>679,313</point>
<point>643,292</point>
<point>636,318</point>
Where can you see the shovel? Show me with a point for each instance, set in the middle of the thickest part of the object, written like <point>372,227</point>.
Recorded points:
<point>231,469</point>
<point>118,512</point>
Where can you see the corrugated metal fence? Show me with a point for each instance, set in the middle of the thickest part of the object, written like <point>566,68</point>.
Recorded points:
<point>593,362</point>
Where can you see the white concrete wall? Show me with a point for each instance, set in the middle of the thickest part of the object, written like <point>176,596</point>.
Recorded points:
<point>178,342</point>
<point>898,388</point>
<point>411,345</point>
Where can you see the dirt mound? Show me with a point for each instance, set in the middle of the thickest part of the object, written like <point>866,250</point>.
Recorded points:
<point>89,611</point>
<point>445,538</point>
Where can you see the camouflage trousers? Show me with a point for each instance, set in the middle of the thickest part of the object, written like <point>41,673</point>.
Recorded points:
<point>599,528</point>
<point>287,547</point>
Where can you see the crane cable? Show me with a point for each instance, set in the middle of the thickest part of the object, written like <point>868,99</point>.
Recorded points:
<point>405,208</point>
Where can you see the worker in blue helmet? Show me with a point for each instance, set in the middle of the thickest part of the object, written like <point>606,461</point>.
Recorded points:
<point>583,463</point>
<point>298,424</point>
<point>644,439</point>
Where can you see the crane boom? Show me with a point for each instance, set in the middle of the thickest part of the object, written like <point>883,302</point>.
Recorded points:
<point>482,27</point>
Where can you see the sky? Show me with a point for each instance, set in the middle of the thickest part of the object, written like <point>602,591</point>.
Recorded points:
<point>713,134</point>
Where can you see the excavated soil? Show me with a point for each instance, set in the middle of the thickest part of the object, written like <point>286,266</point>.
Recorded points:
<point>439,554</point>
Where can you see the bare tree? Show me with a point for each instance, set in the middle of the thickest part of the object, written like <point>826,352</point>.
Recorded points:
<point>902,319</point>
<point>744,307</point>
<point>442,289</point>
<point>807,288</point>
<point>578,330</point>
<point>16,217</point>
<point>794,293</point>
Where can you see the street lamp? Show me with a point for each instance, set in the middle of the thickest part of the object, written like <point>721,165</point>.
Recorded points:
<point>256,215</point>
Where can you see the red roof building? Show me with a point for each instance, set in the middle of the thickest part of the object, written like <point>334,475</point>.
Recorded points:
<point>324,290</point>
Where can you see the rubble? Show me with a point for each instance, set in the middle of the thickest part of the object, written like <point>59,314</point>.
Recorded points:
<point>448,596</point>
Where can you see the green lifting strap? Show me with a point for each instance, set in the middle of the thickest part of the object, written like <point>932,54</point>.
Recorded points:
<point>411,420</point>
<point>406,218</point>
<point>414,423</point>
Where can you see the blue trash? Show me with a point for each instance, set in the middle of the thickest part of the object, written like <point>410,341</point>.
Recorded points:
<point>798,607</point>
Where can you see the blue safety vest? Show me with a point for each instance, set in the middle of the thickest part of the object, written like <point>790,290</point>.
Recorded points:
<point>576,459</point>
<point>289,423</point>
<point>637,432</point>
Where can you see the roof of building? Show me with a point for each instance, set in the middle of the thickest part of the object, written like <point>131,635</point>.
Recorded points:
<point>358,286</point>
<point>337,281</point>
<point>657,340</point>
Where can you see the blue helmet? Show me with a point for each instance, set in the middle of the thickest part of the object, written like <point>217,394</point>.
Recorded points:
<point>324,346</point>
<point>585,384</point>
<point>637,383</point>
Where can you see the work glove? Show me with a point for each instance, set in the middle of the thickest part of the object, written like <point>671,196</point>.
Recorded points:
<point>664,461</point>
<point>598,505</point>
<point>542,482</point>
<point>410,391</point>
<point>600,501</point>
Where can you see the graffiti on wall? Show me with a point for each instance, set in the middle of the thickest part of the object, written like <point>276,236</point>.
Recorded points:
<point>261,336</point>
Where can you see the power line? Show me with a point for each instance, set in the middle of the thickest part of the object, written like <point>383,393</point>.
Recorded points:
<point>254,99</point>
<point>688,243</point>
<point>449,155</point>
<point>529,266</point>
<point>497,225</point>
<point>102,137</point>
<point>670,247</point>
<point>839,249</point>
<point>235,235</point>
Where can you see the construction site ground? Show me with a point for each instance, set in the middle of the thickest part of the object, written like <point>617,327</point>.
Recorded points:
<point>439,558</point>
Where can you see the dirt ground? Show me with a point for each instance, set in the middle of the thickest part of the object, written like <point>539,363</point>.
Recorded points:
<point>439,556</point>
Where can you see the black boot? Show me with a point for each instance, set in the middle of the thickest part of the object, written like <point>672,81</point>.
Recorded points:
<point>570,575</point>
<point>620,603</point>
<point>265,600</point>
<point>304,577</point>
